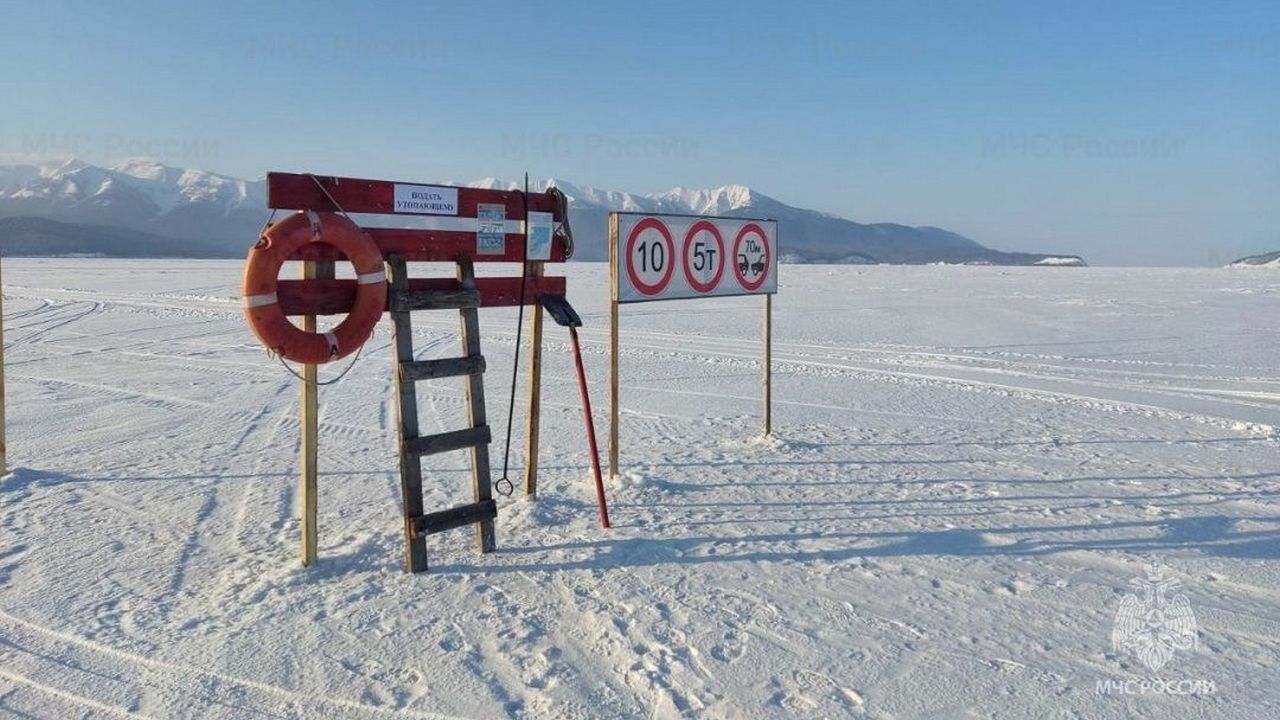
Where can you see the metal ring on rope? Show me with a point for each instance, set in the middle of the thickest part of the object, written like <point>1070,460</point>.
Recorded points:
<point>504,486</point>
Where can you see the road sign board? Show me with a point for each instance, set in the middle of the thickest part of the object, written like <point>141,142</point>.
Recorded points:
<point>647,248</point>
<point>703,256</point>
<point>752,257</point>
<point>651,256</point>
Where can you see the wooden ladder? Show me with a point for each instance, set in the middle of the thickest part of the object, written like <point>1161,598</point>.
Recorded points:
<point>417,524</point>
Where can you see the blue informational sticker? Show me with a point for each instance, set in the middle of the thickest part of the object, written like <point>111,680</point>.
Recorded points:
<point>541,227</point>
<point>491,229</point>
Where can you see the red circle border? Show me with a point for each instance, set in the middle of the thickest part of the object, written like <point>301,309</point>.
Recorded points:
<point>636,282</point>
<point>768,257</point>
<point>684,256</point>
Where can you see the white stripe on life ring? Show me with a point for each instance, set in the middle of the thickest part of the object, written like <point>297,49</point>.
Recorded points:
<point>253,301</point>
<point>373,277</point>
<point>333,343</point>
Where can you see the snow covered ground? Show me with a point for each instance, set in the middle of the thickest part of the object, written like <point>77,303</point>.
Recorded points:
<point>970,466</point>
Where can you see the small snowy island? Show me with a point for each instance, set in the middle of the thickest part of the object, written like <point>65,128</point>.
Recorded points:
<point>1271,259</point>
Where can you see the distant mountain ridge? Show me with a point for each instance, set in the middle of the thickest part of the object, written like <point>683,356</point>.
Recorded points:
<point>42,237</point>
<point>804,235</point>
<point>193,208</point>
<point>1271,259</point>
<point>212,215</point>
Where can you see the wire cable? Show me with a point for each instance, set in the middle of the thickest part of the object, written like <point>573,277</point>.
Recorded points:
<point>504,485</point>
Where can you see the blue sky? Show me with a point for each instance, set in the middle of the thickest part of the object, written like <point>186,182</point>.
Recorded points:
<point>1129,133</point>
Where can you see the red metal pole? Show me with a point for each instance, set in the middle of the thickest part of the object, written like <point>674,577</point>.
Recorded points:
<point>591,429</point>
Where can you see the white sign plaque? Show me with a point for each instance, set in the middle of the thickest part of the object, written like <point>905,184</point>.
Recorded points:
<point>540,228</point>
<point>426,199</point>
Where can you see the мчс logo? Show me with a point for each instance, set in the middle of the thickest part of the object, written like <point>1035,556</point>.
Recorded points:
<point>1152,626</point>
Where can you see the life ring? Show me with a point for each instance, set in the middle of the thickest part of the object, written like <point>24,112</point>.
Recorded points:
<point>262,269</point>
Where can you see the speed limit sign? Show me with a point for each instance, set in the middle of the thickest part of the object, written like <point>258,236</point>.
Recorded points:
<point>650,256</point>
<point>717,256</point>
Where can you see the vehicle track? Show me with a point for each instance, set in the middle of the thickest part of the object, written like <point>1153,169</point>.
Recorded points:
<point>99,677</point>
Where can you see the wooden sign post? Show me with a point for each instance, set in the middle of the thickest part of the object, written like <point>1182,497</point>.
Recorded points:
<point>534,414</point>
<point>308,483</point>
<point>4,450</point>
<point>674,257</point>
<point>768,364</point>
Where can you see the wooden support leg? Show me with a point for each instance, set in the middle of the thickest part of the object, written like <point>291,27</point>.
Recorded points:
<point>415,544</point>
<point>481,483</point>
<point>4,450</point>
<point>308,485</point>
<point>613,345</point>
<point>613,389</point>
<point>532,419</point>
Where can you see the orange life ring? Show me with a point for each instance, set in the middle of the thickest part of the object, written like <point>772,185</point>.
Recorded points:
<point>262,269</point>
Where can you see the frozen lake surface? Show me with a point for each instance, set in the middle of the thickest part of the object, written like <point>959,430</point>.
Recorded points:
<point>970,467</point>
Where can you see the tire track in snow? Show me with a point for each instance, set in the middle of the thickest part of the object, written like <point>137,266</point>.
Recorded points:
<point>256,427</point>
<point>54,323</point>
<point>1174,402</point>
<point>68,697</point>
<point>135,682</point>
<point>148,398</point>
<point>203,307</point>
<point>1041,390</point>
<point>44,306</point>
<point>935,356</point>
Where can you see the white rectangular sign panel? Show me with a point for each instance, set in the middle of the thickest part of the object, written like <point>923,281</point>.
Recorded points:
<point>426,199</point>
<point>668,257</point>
<point>538,238</point>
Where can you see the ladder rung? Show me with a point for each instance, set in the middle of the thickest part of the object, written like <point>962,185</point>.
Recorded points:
<point>444,442</point>
<point>443,367</point>
<point>406,300</point>
<point>455,517</point>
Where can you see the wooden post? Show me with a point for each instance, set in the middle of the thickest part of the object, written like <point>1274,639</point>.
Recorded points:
<point>768,365</point>
<point>415,543</point>
<point>533,418</point>
<point>308,484</point>
<point>613,389</point>
<point>4,450</point>
<point>613,345</point>
<point>481,484</point>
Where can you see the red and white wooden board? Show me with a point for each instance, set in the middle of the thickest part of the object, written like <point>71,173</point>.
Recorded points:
<point>669,257</point>
<point>420,223</point>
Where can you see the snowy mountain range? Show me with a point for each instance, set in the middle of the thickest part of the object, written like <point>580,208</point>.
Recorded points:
<point>202,213</point>
<point>804,235</point>
<point>73,207</point>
